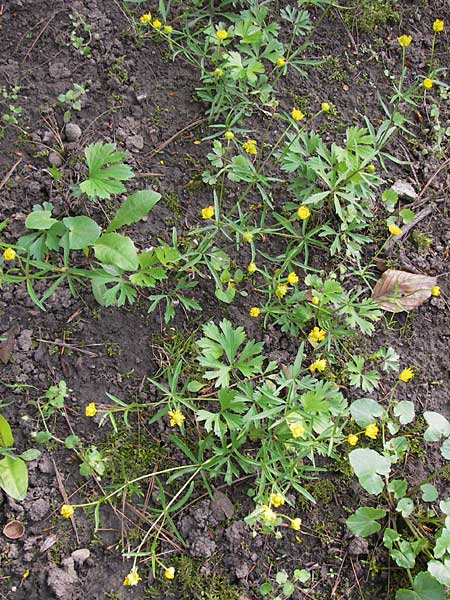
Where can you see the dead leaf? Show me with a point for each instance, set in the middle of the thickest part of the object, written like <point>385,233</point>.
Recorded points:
<point>398,291</point>
<point>8,345</point>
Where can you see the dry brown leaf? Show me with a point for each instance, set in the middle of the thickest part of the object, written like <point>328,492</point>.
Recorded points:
<point>7,347</point>
<point>398,291</point>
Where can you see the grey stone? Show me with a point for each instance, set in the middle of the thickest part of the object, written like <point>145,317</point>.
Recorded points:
<point>25,340</point>
<point>73,132</point>
<point>54,158</point>
<point>135,142</point>
<point>81,555</point>
<point>404,189</point>
<point>46,465</point>
<point>38,509</point>
<point>62,580</point>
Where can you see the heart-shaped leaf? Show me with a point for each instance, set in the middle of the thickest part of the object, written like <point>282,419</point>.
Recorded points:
<point>398,291</point>
<point>368,465</point>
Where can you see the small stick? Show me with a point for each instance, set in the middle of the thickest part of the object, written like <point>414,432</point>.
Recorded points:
<point>69,346</point>
<point>150,174</point>
<point>9,173</point>
<point>63,492</point>
<point>38,37</point>
<point>174,137</point>
<point>407,228</point>
<point>418,201</point>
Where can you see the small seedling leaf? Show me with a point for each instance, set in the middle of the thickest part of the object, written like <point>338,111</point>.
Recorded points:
<point>429,492</point>
<point>364,521</point>
<point>398,291</point>
<point>368,465</point>
<point>438,427</point>
<point>404,410</point>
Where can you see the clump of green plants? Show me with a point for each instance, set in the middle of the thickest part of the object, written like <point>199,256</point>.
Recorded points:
<point>11,111</point>
<point>81,34</point>
<point>72,100</point>
<point>367,15</point>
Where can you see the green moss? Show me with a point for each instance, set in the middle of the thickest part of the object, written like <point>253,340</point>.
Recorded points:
<point>118,71</point>
<point>334,69</point>
<point>192,585</point>
<point>422,240</point>
<point>366,15</point>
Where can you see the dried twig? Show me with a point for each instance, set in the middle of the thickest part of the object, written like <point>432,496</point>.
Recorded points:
<point>420,200</point>
<point>65,497</point>
<point>69,347</point>
<point>40,34</point>
<point>407,228</point>
<point>6,178</point>
<point>174,137</point>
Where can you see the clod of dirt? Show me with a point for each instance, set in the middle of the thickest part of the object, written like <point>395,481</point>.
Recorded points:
<point>25,340</point>
<point>398,291</point>
<point>73,132</point>
<point>62,580</point>
<point>81,555</point>
<point>203,547</point>
<point>13,530</point>
<point>135,143</point>
<point>46,465</point>
<point>55,159</point>
<point>358,546</point>
<point>221,506</point>
<point>236,533</point>
<point>38,509</point>
<point>404,190</point>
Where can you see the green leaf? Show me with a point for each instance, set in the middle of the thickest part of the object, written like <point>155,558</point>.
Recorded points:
<point>30,454</point>
<point>368,465</point>
<point>281,577</point>
<point>404,410</point>
<point>265,589</point>
<point>6,436</point>
<point>363,522</point>
<point>405,506</point>
<point>425,588</point>
<point>135,207</point>
<point>118,250</point>
<point>365,411</point>
<point>14,477</point>
<point>42,437</point>
<point>83,231</point>
<point>442,545</point>
<point>398,487</point>
<point>440,570</point>
<point>429,492</point>
<point>40,219</point>
<point>438,427</point>
<point>105,180</point>
<point>407,215</point>
<point>445,449</point>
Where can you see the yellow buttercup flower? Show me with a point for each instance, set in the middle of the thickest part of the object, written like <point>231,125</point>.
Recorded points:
<point>371,168</point>
<point>208,212</point>
<point>156,24</point>
<point>352,439</point>
<point>222,34</point>
<point>303,212</point>
<point>145,18</point>
<point>133,577</point>
<point>406,374</point>
<point>176,417</point>
<point>169,573</point>
<point>90,410</point>
<point>228,135</point>
<point>325,106</point>
<point>9,254</point>
<point>371,431</point>
<point>296,524</point>
<point>427,83</point>
<point>250,147</point>
<point>318,365</point>
<point>316,335</point>
<point>276,499</point>
<point>435,290</point>
<point>292,278</point>
<point>297,114</point>
<point>297,429</point>
<point>438,25</point>
<point>404,40</point>
<point>247,236</point>
<point>281,61</point>
<point>251,268</point>
<point>315,300</point>
<point>168,29</point>
<point>67,510</point>
<point>394,229</point>
<point>218,72</point>
<point>281,290</point>
<point>255,311</point>
<point>268,515</point>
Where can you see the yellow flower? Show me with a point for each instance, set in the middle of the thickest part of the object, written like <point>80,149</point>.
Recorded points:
<point>67,510</point>
<point>222,34</point>
<point>276,499</point>
<point>427,83</point>
<point>406,374</point>
<point>292,278</point>
<point>435,290</point>
<point>156,24</point>
<point>325,106</point>
<point>297,114</point>
<point>281,290</point>
<point>169,573</point>
<point>315,300</point>
<point>208,212</point>
<point>247,236</point>
<point>316,335</point>
<point>297,429</point>
<point>218,72</point>
<point>250,147</point>
<point>371,431</point>
<point>168,29</point>
<point>352,439</point>
<point>133,577</point>
<point>371,168</point>
<point>251,268</point>
<point>394,229</point>
<point>296,524</point>
<point>268,515</point>
<point>281,61</point>
<point>404,40</point>
<point>438,25</point>
<point>176,417</point>
<point>90,410</point>
<point>145,18</point>
<point>318,365</point>
<point>255,311</point>
<point>228,135</point>
<point>9,254</point>
<point>303,212</point>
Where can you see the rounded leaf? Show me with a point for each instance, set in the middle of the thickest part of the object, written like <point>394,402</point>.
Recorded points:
<point>118,250</point>
<point>83,231</point>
